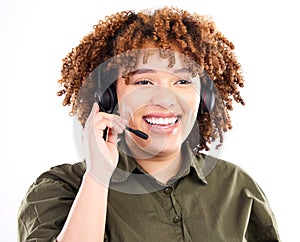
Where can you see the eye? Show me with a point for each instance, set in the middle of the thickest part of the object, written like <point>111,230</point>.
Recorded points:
<point>183,82</point>
<point>143,82</point>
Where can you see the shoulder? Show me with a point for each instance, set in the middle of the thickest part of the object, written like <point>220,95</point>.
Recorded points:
<point>48,200</point>
<point>227,174</point>
<point>57,181</point>
<point>68,174</point>
<point>225,169</point>
<point>229,185</point>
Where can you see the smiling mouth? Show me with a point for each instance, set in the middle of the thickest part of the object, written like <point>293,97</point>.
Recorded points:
<point>161,122</point>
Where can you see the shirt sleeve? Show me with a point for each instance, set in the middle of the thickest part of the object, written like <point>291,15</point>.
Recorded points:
<point>44,210</point>
<point>47,203</point>
<point>262,225</point>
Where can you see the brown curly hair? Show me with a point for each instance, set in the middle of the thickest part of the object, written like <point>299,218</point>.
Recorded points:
<point>193,35</point>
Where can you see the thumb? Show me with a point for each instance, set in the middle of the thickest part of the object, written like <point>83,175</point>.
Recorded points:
<point>95,108</point>
<point>94,111</point>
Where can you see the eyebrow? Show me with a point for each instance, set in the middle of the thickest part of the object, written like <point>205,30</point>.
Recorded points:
<point>148,70</point>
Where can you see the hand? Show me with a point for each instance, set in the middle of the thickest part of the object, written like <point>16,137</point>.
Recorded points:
<point>102,155</point>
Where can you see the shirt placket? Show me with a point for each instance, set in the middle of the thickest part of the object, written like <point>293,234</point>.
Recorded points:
<point>173,212</point>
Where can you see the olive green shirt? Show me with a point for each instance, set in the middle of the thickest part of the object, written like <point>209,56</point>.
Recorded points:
<point>209,200</point>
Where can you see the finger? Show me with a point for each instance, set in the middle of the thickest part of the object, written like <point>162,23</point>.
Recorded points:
<point>94,111</point>
<point>96,107</point>
<point>113,135</point>
<point>108,116</point>
<point>110,120</point>
<point>101,124</point>
<point>96,127</point>
<point>115,128</point>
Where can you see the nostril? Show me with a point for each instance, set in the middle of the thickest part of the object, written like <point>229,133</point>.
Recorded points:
<point>164,98</point>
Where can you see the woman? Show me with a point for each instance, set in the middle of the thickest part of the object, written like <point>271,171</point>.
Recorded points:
<point>152,90</point>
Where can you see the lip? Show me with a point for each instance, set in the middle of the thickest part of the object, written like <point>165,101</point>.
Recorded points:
<point>161,115</point>
<point>161,123</point>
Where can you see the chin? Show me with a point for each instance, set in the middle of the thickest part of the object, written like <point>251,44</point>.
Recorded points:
<point>154,146</point>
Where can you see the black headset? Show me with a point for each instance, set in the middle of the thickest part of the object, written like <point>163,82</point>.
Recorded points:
<point>108,100</point>
<point>207,97</point>
<point>106,95</point>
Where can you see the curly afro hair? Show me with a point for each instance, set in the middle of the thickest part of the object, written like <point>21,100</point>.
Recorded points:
<point>193,35</point>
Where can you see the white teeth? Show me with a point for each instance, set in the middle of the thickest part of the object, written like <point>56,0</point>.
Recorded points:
<point>161,121</point>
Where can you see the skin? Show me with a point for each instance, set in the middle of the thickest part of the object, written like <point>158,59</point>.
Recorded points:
<point>156,91</point>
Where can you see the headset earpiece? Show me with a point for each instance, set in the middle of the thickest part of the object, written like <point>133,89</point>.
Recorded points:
<point>106,95</point>
<point>108,100</point>
<point>207,97</point>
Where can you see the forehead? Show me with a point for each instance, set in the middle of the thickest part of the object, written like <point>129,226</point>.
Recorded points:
<point>156,59</point>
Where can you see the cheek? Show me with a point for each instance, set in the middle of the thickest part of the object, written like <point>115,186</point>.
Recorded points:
<point>192,100</point>
<point>191,107</point>
<point>130,101</point>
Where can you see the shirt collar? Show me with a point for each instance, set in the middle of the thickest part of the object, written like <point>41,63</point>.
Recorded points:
<point>128,165</point>
<point>193,161</point>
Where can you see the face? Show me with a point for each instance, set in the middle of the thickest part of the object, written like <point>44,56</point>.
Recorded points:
<point>160,101</point>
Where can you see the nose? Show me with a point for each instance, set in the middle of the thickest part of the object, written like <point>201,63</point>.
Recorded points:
<point>163,96</point>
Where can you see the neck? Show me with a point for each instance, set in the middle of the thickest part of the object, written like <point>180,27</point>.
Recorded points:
<point>162,167</point>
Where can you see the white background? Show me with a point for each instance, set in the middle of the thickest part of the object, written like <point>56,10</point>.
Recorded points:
<point>36,131</point>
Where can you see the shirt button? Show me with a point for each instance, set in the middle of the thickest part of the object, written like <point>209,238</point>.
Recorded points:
<point>168,190</point>
<point>176,219</point>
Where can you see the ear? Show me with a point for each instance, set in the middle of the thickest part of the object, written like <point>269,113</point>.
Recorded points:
<point>108,99</point>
